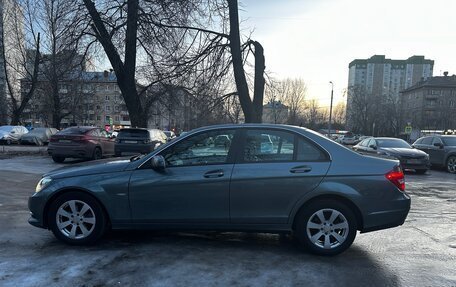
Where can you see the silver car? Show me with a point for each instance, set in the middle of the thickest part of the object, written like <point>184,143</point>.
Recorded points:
<point>306,184</point>
<point>12,134</point>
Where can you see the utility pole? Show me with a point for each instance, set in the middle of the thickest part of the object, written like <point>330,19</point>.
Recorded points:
<point>330,109</point>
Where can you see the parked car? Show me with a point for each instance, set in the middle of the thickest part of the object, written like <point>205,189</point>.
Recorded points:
<point>409,157</point>
<point>348,139</point>
<point>80,142</point>
<point>137,140</point>
<point>38,136</point>
<point>315,188</point>
<point>170,135</point>
<point>12,134</point>
<point>441,150</point>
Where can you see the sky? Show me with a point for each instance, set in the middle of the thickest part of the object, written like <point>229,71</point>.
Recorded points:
<point>316,39</point>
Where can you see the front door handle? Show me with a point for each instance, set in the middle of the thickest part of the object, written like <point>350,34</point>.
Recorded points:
<point>214,173</point>
<point>301,169</point>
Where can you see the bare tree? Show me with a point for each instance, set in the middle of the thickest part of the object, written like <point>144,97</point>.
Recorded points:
<point>17,39</point>
<point>177,39</point>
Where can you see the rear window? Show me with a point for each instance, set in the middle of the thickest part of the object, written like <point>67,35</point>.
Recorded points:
<point>75,131</point>
<point>133,133</point>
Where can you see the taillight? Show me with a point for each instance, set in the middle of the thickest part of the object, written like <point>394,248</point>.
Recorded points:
<point>396,176</point>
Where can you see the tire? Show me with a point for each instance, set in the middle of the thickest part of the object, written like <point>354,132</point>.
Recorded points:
<point>58,159</point>
<point>97,153</point>
<point>313,234</point>
<point>8,142</point>
<point>72,227</point>
<point>451,164</point>
<point>420,171</point>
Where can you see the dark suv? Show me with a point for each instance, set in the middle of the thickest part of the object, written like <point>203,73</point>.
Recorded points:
<point>441,150</point>
<point>136,140</point>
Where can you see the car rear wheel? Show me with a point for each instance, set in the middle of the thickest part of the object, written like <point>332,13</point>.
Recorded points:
<point>77,218</point>
<point>451,164</point>
<point>326,227</point>
<point>97,154</point>
<point>58,159</point>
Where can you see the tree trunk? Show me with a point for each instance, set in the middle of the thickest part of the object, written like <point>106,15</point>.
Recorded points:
<point>125,71</point>
<point>238,66</point>
<point>258,89</point>
<point>253,110</point>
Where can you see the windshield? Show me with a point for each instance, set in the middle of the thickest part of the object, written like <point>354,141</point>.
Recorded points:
<point>449,141</point>
<point>392,143</point>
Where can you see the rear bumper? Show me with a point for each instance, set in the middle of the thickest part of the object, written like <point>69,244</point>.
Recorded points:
<point>423,164</point>
<point>70,151</point>
<point>388,218</point>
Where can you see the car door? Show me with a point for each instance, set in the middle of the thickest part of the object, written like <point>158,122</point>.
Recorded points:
<point>268,181</point>
<point>436,153</point>
<point>106,142</point>
<point>193,188</point>
<point>371,147</point>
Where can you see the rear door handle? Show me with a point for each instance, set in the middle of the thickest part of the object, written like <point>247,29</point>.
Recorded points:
<point>301,169</point>
<point>214,173</point>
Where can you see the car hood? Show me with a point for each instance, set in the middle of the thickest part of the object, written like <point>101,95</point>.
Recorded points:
<point>4,133</point>
<point>403,151</point>
<point>90,168</point>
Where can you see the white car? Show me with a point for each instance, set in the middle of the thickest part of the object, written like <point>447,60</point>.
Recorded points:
<point>348,140</point>
<point>10,134</point>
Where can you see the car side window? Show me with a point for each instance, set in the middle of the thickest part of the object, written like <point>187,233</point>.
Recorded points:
<point>308,151</point>
<point>94,133</point>
<point>427,141</point>
<point>372,142</point>
<point>364,143</point>
<point>437,140</point>
<point>418,141</point>
<point>268,145</point>
<point>201,149</point>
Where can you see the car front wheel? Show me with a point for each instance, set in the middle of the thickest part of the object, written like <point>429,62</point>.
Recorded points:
<point>58,159</point>
<point>77,218</point>
<point>326,227</point>
<point>451,164</point>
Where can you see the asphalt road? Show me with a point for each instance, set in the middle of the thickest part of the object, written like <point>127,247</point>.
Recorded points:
<point>422,252</point>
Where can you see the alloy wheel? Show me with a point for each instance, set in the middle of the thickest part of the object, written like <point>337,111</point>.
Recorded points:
<point>327,228</point>
<point>451,164</point>
<point>75,219</point>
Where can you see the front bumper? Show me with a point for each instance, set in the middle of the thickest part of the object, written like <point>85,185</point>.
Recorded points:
<point>36,204</point>
<point>417,164</point>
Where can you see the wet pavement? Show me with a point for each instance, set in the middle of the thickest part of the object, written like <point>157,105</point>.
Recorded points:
<point>422,252</point>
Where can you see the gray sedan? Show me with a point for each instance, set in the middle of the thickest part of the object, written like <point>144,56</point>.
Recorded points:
<point>298,182</point>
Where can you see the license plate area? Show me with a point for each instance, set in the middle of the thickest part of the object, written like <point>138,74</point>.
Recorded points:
<point>131,142</point>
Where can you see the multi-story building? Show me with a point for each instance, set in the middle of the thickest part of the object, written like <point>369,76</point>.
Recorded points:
<point>384,79</point>
<point>89,98</point>
<point>275,112</point>
<point>11,46</point>
<point>430,104</point>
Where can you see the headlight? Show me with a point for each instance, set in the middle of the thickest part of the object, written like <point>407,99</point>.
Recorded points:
<point>42,183</point>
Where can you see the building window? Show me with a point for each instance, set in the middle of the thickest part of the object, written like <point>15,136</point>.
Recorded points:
<point>116,118</point>
<point>98,118</point>
<point>107,118</point>
<point>451,103</point>
<point>108,108</point>
<point>107,98</point>
<point>98,107</point>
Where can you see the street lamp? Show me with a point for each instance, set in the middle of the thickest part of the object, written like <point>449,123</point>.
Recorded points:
<point>330,109</point>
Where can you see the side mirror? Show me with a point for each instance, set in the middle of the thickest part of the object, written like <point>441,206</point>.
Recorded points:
<point>158,163</point>
<point>440,145</point>
<point>372,146</point>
